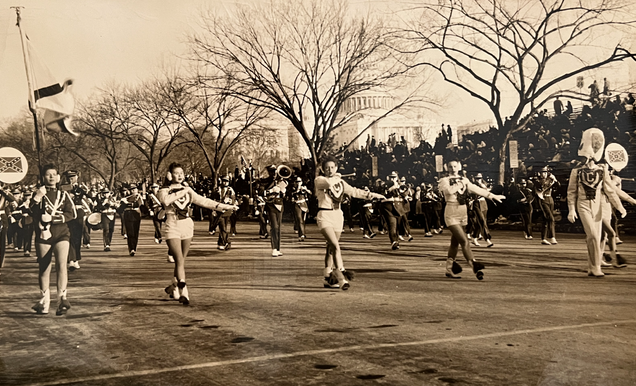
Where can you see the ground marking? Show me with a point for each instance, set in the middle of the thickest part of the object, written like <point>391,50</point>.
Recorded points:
<point>139,373</point>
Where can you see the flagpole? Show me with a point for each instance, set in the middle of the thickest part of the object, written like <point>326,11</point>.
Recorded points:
<point>25,54</point>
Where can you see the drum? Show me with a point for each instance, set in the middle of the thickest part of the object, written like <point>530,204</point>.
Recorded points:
<point>94,220</point>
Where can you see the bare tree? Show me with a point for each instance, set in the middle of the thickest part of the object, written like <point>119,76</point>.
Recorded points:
<point>102,145</point>
<point>215,119</point>
<point>148,123</point>
<point>303,60</point>
<point>516,50</point>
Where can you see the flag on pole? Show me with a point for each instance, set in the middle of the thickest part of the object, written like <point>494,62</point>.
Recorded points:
<point>53,97</point>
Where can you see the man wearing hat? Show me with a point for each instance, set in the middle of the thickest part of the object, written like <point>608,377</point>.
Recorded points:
<point>406,193</point>
<point>107,206</point>
<point>14,235</point>
<point>480,214</point>
<point>543,186</point>
<point>76,225</point>
<point>155,210</point>
<point>525,198</point>
<point>226,196</point>
<point>132,217</point>
<point>299,196</point>
<point>391,208</point>
<point>5,199</point>
<point>26,222</point>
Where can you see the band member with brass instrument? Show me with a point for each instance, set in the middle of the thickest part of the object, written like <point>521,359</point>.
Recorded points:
<point>6,197</point>
<point>543,185</point>
<point>52,209</point>
<point>155,211</point>
<point>227,196</point>
<point>275,188</point>
<point>330,189</point>
<point>299,196</point>
<point>76,225</point>
<point>107,206</point>
<point>456,189</point>
<point>132,217</point>
<point>392,209</point>
<point>588,182</point>
<point>177,197</point>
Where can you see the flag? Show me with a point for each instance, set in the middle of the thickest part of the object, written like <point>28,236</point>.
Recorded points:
<point>53,97</point>
<point>11,165</point>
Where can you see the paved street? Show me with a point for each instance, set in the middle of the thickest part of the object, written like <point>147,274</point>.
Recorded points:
<point>536,318</point>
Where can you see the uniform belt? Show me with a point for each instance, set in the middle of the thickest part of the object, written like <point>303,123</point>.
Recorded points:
<point>319,209</point>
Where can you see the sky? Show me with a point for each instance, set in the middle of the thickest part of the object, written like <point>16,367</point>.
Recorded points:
<point>98,42</point>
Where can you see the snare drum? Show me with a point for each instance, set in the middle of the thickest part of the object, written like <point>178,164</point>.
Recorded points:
<point>94,220</point>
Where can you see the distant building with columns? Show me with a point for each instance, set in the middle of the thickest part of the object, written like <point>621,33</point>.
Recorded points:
<point>368,106</point>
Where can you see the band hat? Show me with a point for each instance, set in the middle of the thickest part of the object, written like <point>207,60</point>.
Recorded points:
<point>155,185</point>
<point>16,191</point>
<point>393,174</point>
<point>478,176</point>
<point>132,186</point>
<point>72,173</point>
<point>225,178</point>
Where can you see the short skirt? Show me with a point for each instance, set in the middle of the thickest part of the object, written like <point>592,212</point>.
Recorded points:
<point>455,214</point>
<point>330,219</point>
<point>178,229</point>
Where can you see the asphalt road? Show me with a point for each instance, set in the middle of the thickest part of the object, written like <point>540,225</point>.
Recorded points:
<point>254,319</point>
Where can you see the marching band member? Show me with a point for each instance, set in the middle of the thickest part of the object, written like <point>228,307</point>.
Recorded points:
<point>107,206</point>
<point>52,209</point>
<point>406,194</point>
<point>76,225</point>
<point>543,186</point>
<point>610,220</point>
<point>14,235</point>
<point>299,196</point>
<point>154,209</point>
<point>525,200</point>
<point>330,189</point>
<point>26,223</point>
<point>132,217</point>
<point>91,200</point>
<point>227,196</point>
<point>586,187</point>
<point>5,199</point>
<point>480,212</point>
<point>391,208</point>
<point>365,218</point>
<point>179,227</point>
<point>259,212</point>
<point>275,188</point>
<point>456,189</point>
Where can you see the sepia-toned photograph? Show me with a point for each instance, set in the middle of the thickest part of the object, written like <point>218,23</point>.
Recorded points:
<point>317,192</point>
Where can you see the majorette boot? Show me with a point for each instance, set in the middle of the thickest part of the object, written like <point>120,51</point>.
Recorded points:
<point>42,306</point>
<point>342,282</point>
<point>63,304</point>
<point>453,269</point>
<point>172,289</point>
<point>477,269</point>
<point>331,281</point>
<point>184,298</point>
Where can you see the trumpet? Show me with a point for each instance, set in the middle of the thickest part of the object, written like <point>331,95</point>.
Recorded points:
<point>283,172</point>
